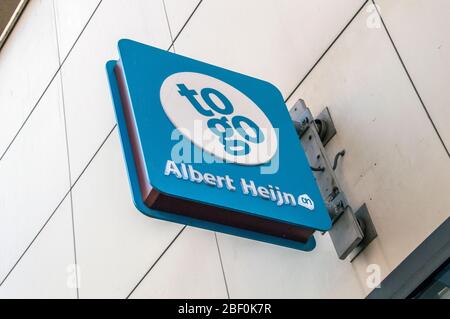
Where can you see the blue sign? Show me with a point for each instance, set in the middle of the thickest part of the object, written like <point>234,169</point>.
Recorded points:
<point>212,148</point>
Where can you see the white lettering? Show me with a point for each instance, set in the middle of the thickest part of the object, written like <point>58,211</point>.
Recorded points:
<point>248,187</point>
<point>171,168</point>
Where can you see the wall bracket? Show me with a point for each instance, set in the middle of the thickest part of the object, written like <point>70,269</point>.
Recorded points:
<point>351,232</point>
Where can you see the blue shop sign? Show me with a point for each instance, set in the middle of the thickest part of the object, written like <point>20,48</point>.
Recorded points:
<point>212,148</point>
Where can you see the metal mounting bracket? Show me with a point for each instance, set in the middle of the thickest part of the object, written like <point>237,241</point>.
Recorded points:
<point>351,232</point>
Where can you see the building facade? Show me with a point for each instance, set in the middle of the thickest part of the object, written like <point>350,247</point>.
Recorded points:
<point>68,226</point>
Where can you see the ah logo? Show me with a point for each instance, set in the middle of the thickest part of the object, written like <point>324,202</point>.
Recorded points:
<point>306,201</point>
<point>218,118</point>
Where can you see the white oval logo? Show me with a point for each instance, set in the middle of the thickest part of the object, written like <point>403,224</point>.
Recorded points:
<point>218,118</point>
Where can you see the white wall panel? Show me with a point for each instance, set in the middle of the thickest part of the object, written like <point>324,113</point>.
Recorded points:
<point>89,108</point>
<point>47,269</point>
<point>420,31</point>
<point>178,12</point>
<point>116,244</point>
<point>394,161</point>
<point>278,41</point>
<point>189,269</point>
<point>259,270</point>
<point>34,177</point>
<point>71,17</point>
<point>27,62</point>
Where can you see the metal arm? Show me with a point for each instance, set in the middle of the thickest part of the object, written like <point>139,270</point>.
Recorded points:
<point>351,232</point>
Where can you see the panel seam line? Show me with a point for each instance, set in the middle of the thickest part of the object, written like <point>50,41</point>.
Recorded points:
<point>326,51</point>
<point>221,265</point>
<point>67,152</point>
<point>47,86</point>
<point>156,261</point>
<point>411,80</point>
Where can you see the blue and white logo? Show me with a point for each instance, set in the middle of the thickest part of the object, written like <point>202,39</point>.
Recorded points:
<point>218,118</point>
